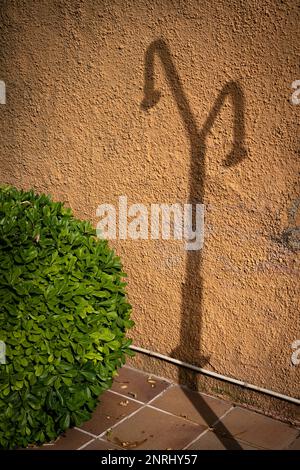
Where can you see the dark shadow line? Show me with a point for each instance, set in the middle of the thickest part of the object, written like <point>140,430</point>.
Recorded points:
<point>233,90</point>
<point>192,290</point>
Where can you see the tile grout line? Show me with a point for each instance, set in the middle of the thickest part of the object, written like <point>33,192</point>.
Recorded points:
<point>153,407</point>
<point>148,404</point>
<point>99,437</point>
<point>208,428</point>
<point>86,444</point>
<point>122,420</point>
<point>85,432</point>
<point>171,383</point>
<point>160,394</point>
<point>294,440</point>
<point>172,414</point>
<point>142,402</point>
<point>108,442</point>
<point>127,417</point>
<point>136,411</point>
<point>185,387</point>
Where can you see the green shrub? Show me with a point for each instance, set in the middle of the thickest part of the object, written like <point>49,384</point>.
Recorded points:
<point>63,318</point>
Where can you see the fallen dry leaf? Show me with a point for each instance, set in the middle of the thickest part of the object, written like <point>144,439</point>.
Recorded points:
<point>124,403</point>
<point>132,394</point>
<point>124,386</point>
<point>151,381</point>
<point>127,444</point>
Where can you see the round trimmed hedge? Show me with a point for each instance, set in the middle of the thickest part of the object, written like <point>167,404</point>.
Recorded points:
<point>63,318</point>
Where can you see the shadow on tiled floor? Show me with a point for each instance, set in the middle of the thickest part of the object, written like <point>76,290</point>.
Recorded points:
<point>146,412</point>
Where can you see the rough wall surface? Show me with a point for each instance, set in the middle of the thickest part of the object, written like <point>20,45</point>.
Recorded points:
<point>223,132</point>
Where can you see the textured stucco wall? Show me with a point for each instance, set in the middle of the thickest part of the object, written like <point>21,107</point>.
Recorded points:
<point>73,126</point>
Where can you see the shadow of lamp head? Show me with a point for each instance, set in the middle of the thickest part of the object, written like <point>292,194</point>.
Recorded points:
<point>238,153</point>
<point>151,99</point>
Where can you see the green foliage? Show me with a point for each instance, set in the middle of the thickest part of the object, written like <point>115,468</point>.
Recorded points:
<point>63,318</point>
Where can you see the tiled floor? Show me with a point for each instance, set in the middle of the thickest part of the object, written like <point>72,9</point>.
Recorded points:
<point>146,412</point>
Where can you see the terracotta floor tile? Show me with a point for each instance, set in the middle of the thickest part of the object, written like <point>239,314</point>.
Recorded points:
<point>192,405</point>
<point>295,445</point>
<point>172,421</point>
<point>135,384</point>
<point>258,430</point>
<point>153,429</point>
<point>111,409</point>
<point>210,441</point>
<point>100,444</point>
<point>71,440</point>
